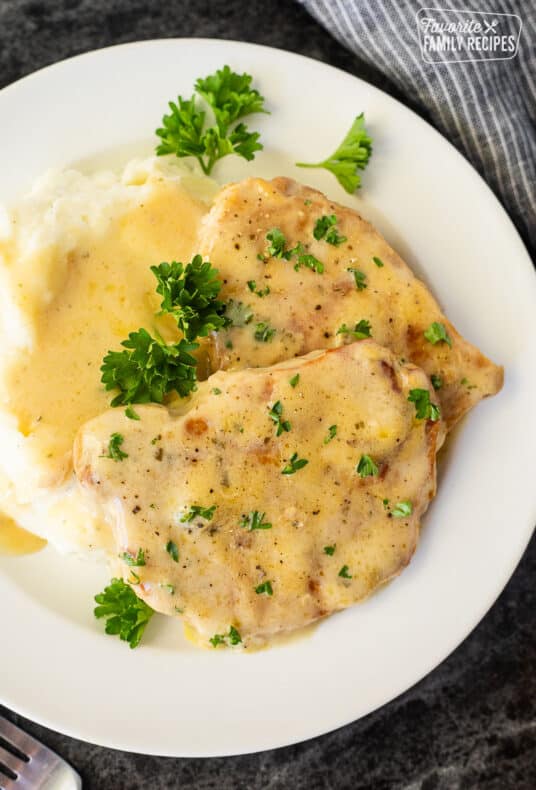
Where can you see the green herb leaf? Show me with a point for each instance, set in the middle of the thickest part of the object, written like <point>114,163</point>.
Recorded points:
<point>343,573</point>
<point>466,383</point>
<point>262,292</point>
<point>352,155</point>
<point>255,520</point>
<point>325,229</point>
<point>378,261</point>
<point>332,432</point>
<point>425,409</point>
<point>275,414</point>
<point>233,636</point>
<point>359,277</point>
<point>217,639</point>
<point>437,381</point>
<point>230,97</point>
<point>330,550</point>
<point>403,509</point>
<point>197,511</point>
<point>173,550</point>
<point>360,331</point>
<point>294,465</point>
<point>366,467</point>
<point>264,332</point>
<point>216,391</point>
<point>133,560</point>
<point>114,448</point>
<point>126,615</point>
<point>294,380</point>
<point>189,293</point>
<point>131,414</point>
<point>264,588</point>
<point>306,259</point>
<point>148,369</point>
<point>238,313</point>
<point>277,247</point>
<point>437,333</point>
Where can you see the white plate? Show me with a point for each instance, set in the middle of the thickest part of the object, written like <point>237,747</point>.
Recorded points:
<point>56,665</point>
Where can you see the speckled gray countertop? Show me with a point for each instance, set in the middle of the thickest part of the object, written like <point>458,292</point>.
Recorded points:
<point>472,722</point>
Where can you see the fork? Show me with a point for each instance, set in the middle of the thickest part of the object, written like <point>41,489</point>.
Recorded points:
<point>27,764</point>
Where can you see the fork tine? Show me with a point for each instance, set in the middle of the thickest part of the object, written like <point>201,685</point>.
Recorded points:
<point>11,761</point>
<point>42,766</point>
<point>22,742</point>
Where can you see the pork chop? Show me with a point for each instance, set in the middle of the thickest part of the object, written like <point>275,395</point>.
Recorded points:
<point>278,496</point>
<point>283,305</point>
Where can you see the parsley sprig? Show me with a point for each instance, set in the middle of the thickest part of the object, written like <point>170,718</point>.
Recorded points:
<point>352,155</point>
<point>148,369</point>
<point>126,614</point>
<point>190,294</point>
<point>184,132</point>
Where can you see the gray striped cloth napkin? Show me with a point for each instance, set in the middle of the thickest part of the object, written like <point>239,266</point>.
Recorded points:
<point>442,59</point>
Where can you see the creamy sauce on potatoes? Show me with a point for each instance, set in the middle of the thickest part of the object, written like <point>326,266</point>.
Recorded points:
<point>76,294</point>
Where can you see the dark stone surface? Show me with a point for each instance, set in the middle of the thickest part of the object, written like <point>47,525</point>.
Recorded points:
<point>472,722</point>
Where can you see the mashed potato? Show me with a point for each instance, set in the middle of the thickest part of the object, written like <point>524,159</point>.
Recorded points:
<point>75,279</point>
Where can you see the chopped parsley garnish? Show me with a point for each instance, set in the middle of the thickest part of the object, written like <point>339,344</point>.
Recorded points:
<point>232,638</point>
<point>437,381</point>
<point>133,560</point>
<point>294,465</point>
<point>294,380</point>
<point>378,261</point>
<point>330,550</point>
<point>425,409</point>
<point>437,333</point>
<point>332,432</point>
<point>126,614</point>
<point>352,155</point>
<point>216,391</point>
<point>275,414</point>
<point>359,277</point>
<point>343,573</point>
<point>402,509</point>
<point>264,332</point>
<point>189,293</point>
<point>366,467</point>
<point>325,229</point>
<point>173,550</point>
<point>261,292</point>
<point>277,247</point>
<point>169,587</point>
<point>197,511</point>
<point>466,383</point>
<point>255,520</point>
<point>238,313</point>
<point>264,588</point>
<point>385,503</point>
<point>231,97</point>
<point>148,369</point>
<point>131,414</point>
<point>114,448</point>
<point>306,259</point>
<point>360,331</point>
